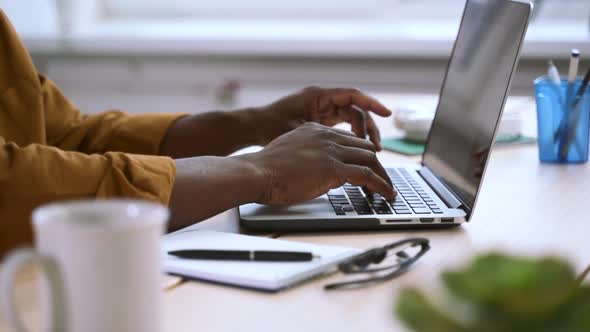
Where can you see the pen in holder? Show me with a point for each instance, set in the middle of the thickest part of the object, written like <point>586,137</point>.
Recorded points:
<point>562,122</point>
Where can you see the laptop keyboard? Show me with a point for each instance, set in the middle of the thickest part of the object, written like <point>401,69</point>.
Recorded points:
<point>411,198</point>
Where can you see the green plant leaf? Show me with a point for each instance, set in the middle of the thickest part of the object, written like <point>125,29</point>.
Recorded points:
<point>504,293</point>
<point>421,315</point>
<point>512,286</point>
<point>573,316</point>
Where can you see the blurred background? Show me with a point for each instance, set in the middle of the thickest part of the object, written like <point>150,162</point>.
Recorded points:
<point>194,56</point>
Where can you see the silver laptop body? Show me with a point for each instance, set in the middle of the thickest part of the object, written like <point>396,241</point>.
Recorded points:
<point>442,191</point>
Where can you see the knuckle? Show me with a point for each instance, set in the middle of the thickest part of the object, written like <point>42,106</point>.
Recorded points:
<point>333,164</point>
<point>325,133</point>
<point>372,157</point>
<point>371,146</point>
<point>331,148</point>
<point>367,145</point>
<point>367,171</point>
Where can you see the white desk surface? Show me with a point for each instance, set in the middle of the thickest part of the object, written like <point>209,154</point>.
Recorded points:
<point>524,208</point>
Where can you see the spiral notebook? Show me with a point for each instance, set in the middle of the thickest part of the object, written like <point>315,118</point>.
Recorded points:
<point>266,276</point>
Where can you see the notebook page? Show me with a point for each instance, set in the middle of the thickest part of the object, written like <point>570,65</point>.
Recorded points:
<point>262,275</point>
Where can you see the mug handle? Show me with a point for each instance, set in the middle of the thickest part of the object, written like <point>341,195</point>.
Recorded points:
<point>12,263</point>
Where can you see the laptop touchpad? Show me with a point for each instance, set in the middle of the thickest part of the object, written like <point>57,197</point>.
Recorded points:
<point>315,207</point>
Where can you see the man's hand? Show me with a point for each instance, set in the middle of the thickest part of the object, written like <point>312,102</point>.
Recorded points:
<point>328,107</point>
<point>221,133</point>
<point>303,157</point>
<point>298,166</point>
<point>310,160</point>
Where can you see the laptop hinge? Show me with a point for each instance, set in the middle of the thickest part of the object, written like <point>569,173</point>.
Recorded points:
<point>440,189</point>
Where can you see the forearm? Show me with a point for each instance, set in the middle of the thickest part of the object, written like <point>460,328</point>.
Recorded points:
<point>206,186</point>
<point>218,133</point>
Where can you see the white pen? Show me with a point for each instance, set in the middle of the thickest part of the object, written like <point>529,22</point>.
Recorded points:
<point>573,70</point>
<point>553,73</point>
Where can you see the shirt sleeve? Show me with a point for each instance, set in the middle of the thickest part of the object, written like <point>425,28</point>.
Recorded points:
<point>68,129</point>
<point>50,151</point>
<point>37,174</point>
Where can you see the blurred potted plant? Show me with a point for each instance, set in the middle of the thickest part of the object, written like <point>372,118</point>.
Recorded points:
<point>502,293</point>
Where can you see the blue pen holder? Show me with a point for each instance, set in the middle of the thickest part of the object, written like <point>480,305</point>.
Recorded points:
<point>562,130</point>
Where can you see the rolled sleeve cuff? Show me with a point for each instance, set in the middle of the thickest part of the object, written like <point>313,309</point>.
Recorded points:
<point>139,176</point>
<point>143,134</point>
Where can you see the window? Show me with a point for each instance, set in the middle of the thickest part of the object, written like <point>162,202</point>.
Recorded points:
<point>242,9</point>
<point>335,9</point>
<point>314,26</point>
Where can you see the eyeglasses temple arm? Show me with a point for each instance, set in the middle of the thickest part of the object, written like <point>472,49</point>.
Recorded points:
<point>583,276</point>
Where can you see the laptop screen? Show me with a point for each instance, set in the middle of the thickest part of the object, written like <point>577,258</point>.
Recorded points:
<point>473,93</point>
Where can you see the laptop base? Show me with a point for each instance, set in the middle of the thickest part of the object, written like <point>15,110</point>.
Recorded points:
<point>340,225</point>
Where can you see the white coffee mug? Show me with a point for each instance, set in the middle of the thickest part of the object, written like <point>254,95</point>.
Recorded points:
<point>101,261</point>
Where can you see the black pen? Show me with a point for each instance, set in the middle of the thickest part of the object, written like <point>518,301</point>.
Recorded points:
<point>245,255</point>
<point>577,112</point>
<point>581,90</point>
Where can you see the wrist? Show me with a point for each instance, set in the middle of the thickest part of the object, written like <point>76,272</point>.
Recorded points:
<point>266,123</point>
<point>206,186</point>
<point>169,145</point>
<point>255,178</point>
<point>258,123</point>
<point>249,119</point>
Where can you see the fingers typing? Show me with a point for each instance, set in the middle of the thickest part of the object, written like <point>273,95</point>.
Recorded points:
<point>356,156</point>
<point>374,134</point>
<point>353,141</point>
<point>348,97</point>
<point>357,119</point>
<point>365,176</point>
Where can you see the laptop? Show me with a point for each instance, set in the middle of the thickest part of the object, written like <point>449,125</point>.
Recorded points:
<point>442,190</point>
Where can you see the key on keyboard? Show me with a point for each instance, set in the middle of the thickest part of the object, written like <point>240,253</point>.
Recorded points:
<point>411,198</point>
<point>412,193</point>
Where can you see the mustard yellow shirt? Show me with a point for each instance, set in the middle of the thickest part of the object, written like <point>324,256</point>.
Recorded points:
<point>49,151</point>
